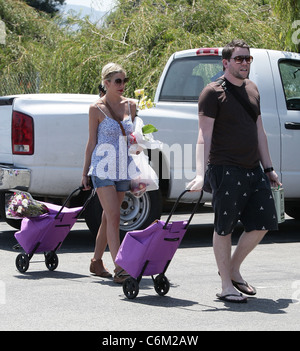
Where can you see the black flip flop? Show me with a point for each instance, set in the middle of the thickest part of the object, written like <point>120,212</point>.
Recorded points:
<point>239,286</point>
<point>227,298</point>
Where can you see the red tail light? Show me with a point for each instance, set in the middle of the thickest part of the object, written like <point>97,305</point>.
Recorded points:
<point>22,134</point>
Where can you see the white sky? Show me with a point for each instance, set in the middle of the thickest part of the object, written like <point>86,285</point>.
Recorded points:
<point>100,5</point>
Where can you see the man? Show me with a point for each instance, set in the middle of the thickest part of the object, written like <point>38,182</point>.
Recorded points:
<point>234,145</point>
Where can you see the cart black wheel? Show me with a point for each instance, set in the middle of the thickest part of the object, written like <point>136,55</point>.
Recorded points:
<point>161,284</point>
<point>22,262</point>
<point>51,260</point>
<point>131,288</point>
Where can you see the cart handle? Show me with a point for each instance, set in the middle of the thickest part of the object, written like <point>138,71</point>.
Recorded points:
<point>69,197</point>
<point>176,204</point>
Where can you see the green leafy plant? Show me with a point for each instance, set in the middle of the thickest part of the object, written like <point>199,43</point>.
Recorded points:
<point>66,54</point>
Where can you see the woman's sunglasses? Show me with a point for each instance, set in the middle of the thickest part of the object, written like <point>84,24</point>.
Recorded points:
<point>240,59</point>
<point>119,81</point>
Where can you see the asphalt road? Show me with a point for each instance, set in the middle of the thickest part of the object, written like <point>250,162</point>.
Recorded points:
<point>70,298</point>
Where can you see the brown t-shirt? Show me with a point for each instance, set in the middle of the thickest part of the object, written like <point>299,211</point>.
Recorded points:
<point>234,139</point>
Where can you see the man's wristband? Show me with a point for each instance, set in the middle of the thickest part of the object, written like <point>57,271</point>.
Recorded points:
<point>268,170</point>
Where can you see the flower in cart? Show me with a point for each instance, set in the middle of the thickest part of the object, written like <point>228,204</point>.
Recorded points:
<point>25,203</point>
<point>21,204</point>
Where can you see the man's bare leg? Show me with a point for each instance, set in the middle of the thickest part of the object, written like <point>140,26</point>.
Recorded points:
<point>222,250</point>
<point>247,242</point>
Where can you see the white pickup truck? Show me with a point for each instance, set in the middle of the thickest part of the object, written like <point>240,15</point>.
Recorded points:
<point>43,136</point>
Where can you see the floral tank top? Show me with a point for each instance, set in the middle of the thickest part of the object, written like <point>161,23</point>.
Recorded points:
<point>110,158</point>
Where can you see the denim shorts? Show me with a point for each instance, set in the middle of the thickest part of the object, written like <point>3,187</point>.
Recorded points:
<point>241,194</point>
<point>120,185</point>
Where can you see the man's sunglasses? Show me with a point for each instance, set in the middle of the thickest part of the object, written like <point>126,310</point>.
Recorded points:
<point>240,59</point>
<point>119,81</point>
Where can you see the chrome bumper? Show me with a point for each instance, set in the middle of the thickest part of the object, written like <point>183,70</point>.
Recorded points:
<point>13,178</point>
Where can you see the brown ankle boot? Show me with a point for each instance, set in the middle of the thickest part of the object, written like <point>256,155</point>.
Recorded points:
<point>98,269</point>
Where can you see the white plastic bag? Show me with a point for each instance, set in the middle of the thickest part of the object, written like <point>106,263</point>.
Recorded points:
<point>147,180</point>
<point>139,141</point>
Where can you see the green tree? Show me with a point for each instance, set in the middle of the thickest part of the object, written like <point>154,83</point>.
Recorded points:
<point>288,12</point>
<point>30,38</point>
<point>68,54</point>
<point>142,35</point>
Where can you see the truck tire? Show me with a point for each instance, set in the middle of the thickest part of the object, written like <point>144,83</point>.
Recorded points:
<point>92,215</point>
<point>15,223</point>
<point>292,209</point>
<point>135,213</point>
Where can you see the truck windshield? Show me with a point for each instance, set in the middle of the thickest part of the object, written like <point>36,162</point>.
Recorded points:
<point>187,77</point>
<point>290,76</point>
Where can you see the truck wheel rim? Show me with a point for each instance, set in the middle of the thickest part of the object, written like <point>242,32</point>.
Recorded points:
<point>134,211</point>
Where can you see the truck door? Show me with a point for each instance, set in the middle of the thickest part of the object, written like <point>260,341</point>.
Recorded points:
<point>287,85</point>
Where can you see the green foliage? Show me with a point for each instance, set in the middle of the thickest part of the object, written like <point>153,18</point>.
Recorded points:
<point>30,37</point>
<point>145,33</point>
<point>68,54</point>
<point>288,12</point>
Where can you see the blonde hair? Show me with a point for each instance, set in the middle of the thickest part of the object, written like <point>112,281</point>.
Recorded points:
<point>109,70</point>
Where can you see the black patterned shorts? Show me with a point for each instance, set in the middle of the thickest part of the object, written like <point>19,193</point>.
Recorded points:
<point>241,194</point>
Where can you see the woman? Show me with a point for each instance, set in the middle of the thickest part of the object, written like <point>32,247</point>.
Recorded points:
<point>107,161</point>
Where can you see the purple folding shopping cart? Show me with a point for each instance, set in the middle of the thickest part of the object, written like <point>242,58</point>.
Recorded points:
<point>46,233</point>
<point>148,252</point>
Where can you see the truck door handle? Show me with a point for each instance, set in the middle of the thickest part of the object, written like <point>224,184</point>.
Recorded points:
<point>292,125</point>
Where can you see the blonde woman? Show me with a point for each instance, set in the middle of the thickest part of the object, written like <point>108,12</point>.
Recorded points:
<point>106,162</point>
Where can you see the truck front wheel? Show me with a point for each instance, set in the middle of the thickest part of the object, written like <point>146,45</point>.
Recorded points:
<point>15,223</point>
<point>135,213</point>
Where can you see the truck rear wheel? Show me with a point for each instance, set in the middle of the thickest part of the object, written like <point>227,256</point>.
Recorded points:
<point>292,208</point>
<point>135,213</point>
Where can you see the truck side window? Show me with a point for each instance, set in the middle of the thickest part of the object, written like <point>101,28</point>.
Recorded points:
<point>290,76</point>
<point>186,77</point>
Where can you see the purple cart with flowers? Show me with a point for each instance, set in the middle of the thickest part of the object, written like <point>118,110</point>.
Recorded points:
<point>46,233</point>
<point>149,252</point>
